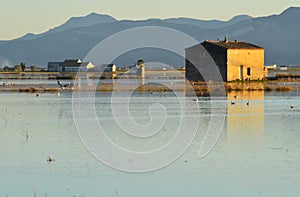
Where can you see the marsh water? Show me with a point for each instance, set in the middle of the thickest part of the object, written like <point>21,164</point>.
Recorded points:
<point>257,153</point>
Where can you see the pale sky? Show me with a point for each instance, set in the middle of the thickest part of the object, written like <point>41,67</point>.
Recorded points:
<point>18,17</point>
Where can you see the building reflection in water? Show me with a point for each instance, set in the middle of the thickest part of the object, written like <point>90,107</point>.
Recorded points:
<point>245,121</point>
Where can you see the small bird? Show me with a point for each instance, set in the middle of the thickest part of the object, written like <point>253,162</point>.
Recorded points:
<point>248,103</point>
<point>232,103</point>
<point>37,95</point>
<point>292,106</point>
<point>50,160</point>
<point>63,87</point>
<point>236,96</point>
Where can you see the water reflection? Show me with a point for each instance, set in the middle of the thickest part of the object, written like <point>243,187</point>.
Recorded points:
<point>260,148</point>
<point>245,119</point>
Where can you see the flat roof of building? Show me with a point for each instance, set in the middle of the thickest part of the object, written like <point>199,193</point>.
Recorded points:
<point>233,44</point>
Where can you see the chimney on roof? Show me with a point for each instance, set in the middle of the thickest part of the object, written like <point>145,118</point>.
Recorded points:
<point>226,39</point>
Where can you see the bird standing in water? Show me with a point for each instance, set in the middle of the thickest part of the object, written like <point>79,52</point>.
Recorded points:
<point>292,106</point>
<point>50,159</point>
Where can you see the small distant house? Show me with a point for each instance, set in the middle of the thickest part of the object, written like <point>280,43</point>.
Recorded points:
<point>69,65</point>
<point>28,69</point>
<point>104,68</point>
<point>282,67</point>
<point>111,68</point>
<point>235,60</point>
<point>8,69</point>
<point>75,65</point>
<point>271,67</point>
<point>54,66</point>
<point>108,71</point>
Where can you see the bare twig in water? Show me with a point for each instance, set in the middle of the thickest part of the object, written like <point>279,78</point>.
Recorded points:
<point>23,134</point>
<point>5,119</point>
<point>34,193</point>
<point>6,110</point>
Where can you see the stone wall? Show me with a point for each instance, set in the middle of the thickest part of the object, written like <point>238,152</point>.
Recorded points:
<point>245,64</point>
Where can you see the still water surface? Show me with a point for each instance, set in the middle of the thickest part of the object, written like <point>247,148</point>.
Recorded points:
<point>257,153</point>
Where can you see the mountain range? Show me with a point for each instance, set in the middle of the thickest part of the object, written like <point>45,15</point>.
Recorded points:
<point>278,34</point>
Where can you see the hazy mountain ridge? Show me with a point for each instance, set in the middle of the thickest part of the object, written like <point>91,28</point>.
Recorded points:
<point>74,22</point>
<point>279,34</point>
<point>209,24</point>
<point>89,20</point>
<point>94,19</point>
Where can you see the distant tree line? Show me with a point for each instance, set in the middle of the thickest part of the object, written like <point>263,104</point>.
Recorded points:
<point>22,68</point>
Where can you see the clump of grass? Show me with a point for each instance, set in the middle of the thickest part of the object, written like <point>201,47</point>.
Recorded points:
<point>154,88</point>
<point>105,87</point>
<point>233,87</point>
<point>202,93</point>
<point>52,77</point>
<point>228,88</point>
<point>51,90</point>
<point>66,77</point>
<point>255,87</point>
<point>283,89</point>
<point>29,90</point>
<point>269,88</point>
<point>201,88</point>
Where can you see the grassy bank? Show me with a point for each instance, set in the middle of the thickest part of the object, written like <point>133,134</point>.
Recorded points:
<point>200,88</point>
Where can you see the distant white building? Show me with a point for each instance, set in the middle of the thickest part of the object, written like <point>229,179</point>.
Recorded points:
<point>104,68</point>
<point>274,66</point>
<point>111,68</point>
<point>140,66</point>
<point>69,65</point>
<point>282,67</point>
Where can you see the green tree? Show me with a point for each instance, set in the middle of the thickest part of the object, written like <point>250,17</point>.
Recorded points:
<point>23,66</point>
<point>140,62</point>
<point>6,68</point>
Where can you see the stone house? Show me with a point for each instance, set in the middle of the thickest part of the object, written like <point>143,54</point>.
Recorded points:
<point>235,60</point>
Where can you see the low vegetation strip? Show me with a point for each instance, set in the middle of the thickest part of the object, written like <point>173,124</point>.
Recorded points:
<point>200,88</point>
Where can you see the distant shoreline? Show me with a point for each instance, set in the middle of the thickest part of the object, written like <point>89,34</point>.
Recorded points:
<point>198,88</point>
